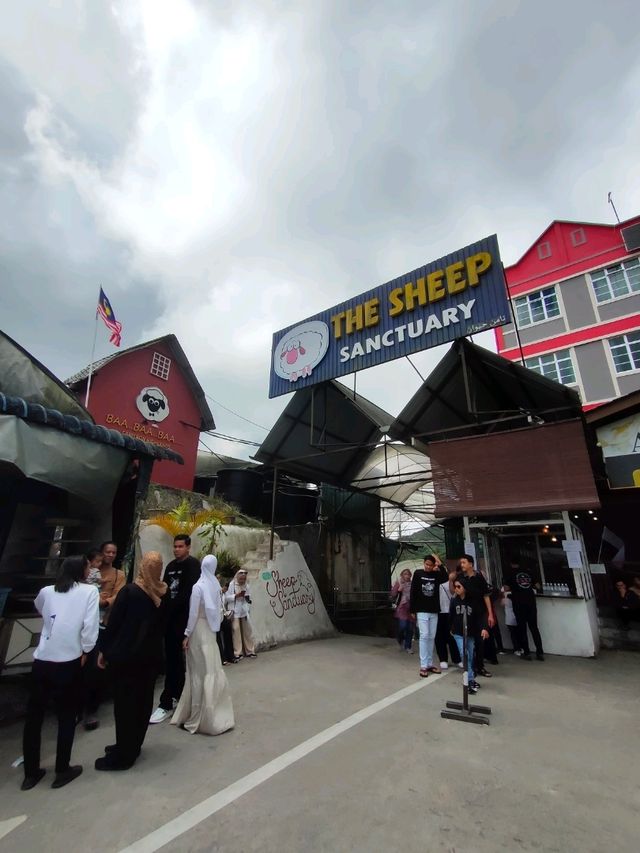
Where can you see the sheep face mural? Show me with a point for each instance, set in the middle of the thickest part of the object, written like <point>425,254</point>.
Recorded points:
<point>300,350</point>
<point>153,404</point>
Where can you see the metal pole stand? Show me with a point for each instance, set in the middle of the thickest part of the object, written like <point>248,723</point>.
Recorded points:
<point>463,711</point>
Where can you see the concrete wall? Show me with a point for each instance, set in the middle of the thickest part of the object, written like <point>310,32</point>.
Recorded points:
<point>594,371</point>
<point>628,382</point>
<point>287,606</point>
<point>577,303</point>
<point>286,603</point>
<point>620,307</point>
<point>237,540</point>
<point>545,329</point>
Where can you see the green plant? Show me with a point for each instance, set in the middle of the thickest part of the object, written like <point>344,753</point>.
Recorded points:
<point>228,565</point>
<point>210,531</point>
<point>184,519</point>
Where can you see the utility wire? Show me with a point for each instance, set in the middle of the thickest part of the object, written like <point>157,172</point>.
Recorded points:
<point>212,452</point>
<point>232,438</point>
<point>242,418</point>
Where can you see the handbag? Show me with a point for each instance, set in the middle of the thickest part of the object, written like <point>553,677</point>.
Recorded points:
<point>226,614</point>
<point>396,601</point>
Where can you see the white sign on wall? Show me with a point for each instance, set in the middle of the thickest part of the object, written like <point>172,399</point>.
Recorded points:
<point>153,404</point>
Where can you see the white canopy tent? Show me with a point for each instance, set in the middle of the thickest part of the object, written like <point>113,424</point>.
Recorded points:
<point>401,477</point>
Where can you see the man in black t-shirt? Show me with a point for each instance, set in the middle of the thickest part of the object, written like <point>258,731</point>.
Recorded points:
<point>180,575</point>
<point>521,583</point>
<point>477,590</point>
<point>424,604</point>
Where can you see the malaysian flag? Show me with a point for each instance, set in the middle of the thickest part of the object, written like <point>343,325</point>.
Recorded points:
<point>106,312</point>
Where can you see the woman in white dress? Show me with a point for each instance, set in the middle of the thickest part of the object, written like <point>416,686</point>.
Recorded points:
<point>205,704</point>
<point>238,599</point>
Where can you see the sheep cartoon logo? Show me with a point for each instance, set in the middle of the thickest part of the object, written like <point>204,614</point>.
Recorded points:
<point>153,404</point>
<point>300,350</point>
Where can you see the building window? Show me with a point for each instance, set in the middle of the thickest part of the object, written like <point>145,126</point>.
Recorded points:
<point>578,237</point>
<point>160,365</point>
<point>554,365</point>
<point>544,250</point>
<point>536,307</point>
<point>617,280</point>
<point>625,350</point>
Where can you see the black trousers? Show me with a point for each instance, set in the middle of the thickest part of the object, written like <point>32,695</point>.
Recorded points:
<point>478,653</point>
<point>93,685</point>
<point>515,637</point>
<point>174,668</point>
<point>527,617</point>
<point>496,634</point>
<point>225,641</point>
<point>489,650</point>
<point>445,644</point>
<point>133,690</point>
<point>61,684</point>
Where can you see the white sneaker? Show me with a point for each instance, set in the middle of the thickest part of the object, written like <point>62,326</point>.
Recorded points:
<point>410,652</point>
<point>159,716</point>
<point>460,665</point>
<point>444,666</point>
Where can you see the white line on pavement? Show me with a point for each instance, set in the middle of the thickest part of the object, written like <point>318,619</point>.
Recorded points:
<point>7,826</point>
<point>187,820</point>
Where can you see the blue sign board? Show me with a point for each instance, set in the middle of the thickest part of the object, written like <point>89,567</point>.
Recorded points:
<point>455,296</point>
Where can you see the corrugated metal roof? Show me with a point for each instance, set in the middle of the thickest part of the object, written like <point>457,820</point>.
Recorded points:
<point>324,434</point>
<point>207,421</point>
<point>22,375</point>
<point>473,390</point>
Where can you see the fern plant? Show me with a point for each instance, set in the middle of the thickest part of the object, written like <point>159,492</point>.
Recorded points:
<point>183,519</point>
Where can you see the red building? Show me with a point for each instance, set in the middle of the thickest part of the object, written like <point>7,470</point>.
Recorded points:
<point>151,392</point>
<point>576,300</point>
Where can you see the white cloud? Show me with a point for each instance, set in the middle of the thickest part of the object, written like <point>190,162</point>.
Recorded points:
<point>251,167</point>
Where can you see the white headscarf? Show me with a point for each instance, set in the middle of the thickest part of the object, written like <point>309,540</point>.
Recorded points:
<point>210,591</point>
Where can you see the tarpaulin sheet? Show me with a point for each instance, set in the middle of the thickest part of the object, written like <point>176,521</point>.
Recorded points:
<point>84,468</point>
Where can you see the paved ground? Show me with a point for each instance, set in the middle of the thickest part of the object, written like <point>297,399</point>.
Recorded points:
<point>557,770</point>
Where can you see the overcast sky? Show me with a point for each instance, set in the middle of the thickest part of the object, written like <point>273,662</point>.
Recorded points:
<point>225,169</point>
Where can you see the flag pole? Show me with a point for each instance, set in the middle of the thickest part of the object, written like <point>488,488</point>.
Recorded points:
<point>93,352</point>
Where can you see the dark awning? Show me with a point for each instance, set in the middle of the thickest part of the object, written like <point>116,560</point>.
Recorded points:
<point>474,391</point>
<point>325,434</point>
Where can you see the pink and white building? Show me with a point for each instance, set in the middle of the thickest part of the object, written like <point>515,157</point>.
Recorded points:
<point>576,300</point>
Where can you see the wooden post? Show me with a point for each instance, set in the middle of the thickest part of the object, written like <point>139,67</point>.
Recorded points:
<point>145,465</point>
<point>273,509</point>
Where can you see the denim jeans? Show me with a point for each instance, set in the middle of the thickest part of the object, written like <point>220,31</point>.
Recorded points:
<point>427,625</point>
<point>405,632</point>
<point>470,644</point>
